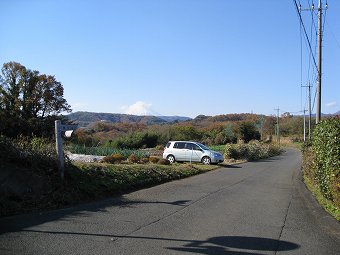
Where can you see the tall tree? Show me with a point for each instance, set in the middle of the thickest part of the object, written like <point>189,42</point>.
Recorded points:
<point>10,89</point>
<point>248,132</point>
<point>28,100</point>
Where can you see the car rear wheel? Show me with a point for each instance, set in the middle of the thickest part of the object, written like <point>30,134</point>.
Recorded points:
<point>171,158</point>
<point>206,161</point>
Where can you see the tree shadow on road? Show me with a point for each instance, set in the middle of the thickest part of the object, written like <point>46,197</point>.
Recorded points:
<point>239,245</point>
<point>229,166</point>
<point>20,222</point>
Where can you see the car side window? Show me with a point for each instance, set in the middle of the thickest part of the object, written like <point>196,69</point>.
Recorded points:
<point>196,147</point>
<point>179,145</point>
<point>189,146</point>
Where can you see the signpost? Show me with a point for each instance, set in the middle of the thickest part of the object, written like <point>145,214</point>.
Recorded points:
<point>59,128</point>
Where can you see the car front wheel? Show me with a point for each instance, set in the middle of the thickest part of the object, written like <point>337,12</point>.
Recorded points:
<point>171,158</point>
<point>206,161</point>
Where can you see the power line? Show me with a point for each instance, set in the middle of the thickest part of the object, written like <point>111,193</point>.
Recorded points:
<point>318,66</point>
<point>304,29</point>
<point>312,8</point>
<point>329,27</point>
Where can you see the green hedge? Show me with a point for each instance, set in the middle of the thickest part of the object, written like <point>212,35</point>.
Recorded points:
<point>326,148</point>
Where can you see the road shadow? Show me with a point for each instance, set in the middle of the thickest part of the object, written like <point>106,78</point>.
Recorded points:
<point>237,245</point>
<point>226,244</point>
<point>18,223</point>
<point>229,166</point>
<point>131,203</point>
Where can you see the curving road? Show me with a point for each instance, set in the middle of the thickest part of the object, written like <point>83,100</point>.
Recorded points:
<point>253,208</point>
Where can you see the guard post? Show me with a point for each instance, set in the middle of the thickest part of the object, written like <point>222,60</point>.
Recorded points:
<point>59,128</point>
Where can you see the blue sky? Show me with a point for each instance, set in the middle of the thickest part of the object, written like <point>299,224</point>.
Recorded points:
<point>173,57</point>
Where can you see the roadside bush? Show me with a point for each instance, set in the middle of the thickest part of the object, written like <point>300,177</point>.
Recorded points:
<point>231,152</point>
<point>34,152</point>
<point>159,147</point>
<point>326,148</point>
<point>154,160</point>
<point>163,161</point>
<point>254,150</point>
<point>144,160</point>
<point>308,163</point>
<point>114,158</point>
<point>133,158</point>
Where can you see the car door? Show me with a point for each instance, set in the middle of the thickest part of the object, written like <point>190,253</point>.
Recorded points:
<point>179,151</point>
<point>197,153</point>
<point>193,152</point>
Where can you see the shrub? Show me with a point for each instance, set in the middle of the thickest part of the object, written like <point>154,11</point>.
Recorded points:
<point>236,151</point>
<point>154,160</point>
<point>114,158</point>
<point>326,148</point>
<point>159,147</point>
<point>254,150</point>
<point>230,151</point>
<point>35,152</point>
<point>308,163</point>
<point>108,159</point>
<point>163,161</point>
<point>133,158</point>
<point>144,160</point>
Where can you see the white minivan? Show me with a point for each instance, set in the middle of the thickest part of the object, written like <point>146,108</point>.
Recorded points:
<point>192,152</point>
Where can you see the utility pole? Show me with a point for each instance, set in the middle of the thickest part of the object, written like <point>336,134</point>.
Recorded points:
<point>277,125</point>
<point>318,89</point>
<point>304,125</point>
<point>310,114</point>
<point>319,66</point>
<point>309,111</point>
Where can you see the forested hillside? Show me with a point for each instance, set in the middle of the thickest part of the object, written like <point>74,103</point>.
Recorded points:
<point>84,119</point>
<point>129,131</point>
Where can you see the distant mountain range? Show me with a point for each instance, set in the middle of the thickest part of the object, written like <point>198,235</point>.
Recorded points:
<point>325,114</point>
<point>83,119</point>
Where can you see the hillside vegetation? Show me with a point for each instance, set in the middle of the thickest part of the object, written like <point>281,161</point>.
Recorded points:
<point>210,130</point>
<point>83,119</point>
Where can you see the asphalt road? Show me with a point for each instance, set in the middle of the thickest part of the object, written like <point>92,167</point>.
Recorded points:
<point>253,208</point>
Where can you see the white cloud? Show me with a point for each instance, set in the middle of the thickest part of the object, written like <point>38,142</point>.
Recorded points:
<point>138,108</point>
<point>331,104</point>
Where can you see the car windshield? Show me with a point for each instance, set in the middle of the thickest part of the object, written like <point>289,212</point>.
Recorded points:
<point>203,146</point>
